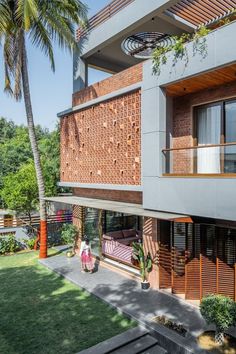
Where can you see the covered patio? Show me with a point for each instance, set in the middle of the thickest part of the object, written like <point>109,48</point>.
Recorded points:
<point>113,226</point>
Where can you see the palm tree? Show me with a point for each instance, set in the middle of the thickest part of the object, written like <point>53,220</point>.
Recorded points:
<point>41,23</point>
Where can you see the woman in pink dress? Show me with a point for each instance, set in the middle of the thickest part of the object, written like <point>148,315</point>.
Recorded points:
<point>86,256</point>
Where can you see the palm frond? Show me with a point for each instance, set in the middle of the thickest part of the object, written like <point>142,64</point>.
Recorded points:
<point>41,39</point>
<point>26,13</point>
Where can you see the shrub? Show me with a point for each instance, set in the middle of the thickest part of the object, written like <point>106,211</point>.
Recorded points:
<point>9,244</point>
<point>219,310</point>
<point>30,243</point>
<point>68,234</point>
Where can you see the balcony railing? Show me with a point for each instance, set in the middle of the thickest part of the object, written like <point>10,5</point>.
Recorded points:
<point>201,160</point>
<point>102,16</point>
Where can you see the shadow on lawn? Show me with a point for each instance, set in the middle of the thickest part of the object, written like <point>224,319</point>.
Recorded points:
<point>42,313</point>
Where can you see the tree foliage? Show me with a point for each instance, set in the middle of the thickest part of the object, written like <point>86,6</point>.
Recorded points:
<point>20,191</point>
<point>15,151</point>
<point>219,310</point>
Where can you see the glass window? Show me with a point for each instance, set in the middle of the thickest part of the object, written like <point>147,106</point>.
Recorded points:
<point>230,136</point>
<point>208,133</point>
<point>216,124</point>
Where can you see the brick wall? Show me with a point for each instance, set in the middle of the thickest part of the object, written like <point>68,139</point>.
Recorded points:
<point>101,144</point>
<point>123,79</point>
<point>183,122</point>
<point>116,195</point>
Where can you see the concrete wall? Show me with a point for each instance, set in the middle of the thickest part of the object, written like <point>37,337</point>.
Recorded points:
<point>209,197</point>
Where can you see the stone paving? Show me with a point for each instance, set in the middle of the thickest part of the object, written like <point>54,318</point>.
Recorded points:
<point>126,295</point>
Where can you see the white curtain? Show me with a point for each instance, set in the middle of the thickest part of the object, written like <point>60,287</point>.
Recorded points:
<point>209,122</point>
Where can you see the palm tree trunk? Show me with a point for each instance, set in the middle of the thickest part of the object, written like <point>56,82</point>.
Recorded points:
<point>34,146</point>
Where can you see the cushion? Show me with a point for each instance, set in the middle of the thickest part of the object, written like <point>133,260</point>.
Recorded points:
<point>129,233</point>
<point>115,234</point>
<point>107,237</point>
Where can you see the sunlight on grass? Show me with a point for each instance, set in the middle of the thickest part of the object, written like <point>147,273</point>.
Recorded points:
<point>42,312</point>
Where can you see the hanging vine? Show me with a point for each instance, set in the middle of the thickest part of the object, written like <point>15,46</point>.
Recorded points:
<point>177,44</point>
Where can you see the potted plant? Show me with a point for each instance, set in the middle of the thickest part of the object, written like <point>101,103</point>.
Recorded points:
<point>69,237</point>
<point>145,263</point>
<point>221,311</point>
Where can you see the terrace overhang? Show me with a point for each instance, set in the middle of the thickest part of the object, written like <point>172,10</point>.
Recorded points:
<point>120,207</point>
<point>100,42</point>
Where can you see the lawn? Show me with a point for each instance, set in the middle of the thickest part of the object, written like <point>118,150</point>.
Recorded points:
<point>41,312</point>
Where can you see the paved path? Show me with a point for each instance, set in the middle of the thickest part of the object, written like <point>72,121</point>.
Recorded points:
<point>127,296</point>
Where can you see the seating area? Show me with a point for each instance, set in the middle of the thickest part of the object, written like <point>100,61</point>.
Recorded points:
<point>118,244</point>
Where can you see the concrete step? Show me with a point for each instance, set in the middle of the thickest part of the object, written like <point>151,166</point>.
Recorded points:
<point>118,341</point>
<point>134,341</point>
<point>137,346</point>
<point>156,349</point>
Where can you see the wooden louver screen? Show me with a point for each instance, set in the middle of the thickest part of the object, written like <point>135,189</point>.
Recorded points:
<point>192,274</point>
<point>165,257</point>
<point>200,12</point>
<point>226,259</point>
<point>178,258</point>
<point>201,261</point>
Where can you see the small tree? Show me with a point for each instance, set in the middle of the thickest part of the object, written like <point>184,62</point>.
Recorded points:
<point>145,262</point>
<point>20,190</point>
<point>69,235</point>
<point>220,311</point>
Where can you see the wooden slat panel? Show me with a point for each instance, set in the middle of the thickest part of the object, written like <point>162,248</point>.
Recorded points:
<point>226,253</point>
<point>193,263</point>
<point>178,272</point>
<point>202,11</point>
<point>226,279</point>
<point>193,279</point>
<point>204,81</point>
<point>164,260</point>
<point>103,15</point>
<point>208,260</point>
<point>164,266</point>
<point>208,276</point>
<point>178,257</point>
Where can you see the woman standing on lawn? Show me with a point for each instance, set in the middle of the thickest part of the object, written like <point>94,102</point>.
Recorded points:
<point>86,256</point>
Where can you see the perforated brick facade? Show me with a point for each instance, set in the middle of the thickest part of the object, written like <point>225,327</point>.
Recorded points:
<point>102,143</point>
<point>123,79</point>
<point>183,129</point>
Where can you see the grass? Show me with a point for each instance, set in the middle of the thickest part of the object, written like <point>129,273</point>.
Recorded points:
<point>207,341</point>
<point>41,312</point>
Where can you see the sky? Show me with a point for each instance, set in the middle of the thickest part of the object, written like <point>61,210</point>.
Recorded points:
<point>50,92</point>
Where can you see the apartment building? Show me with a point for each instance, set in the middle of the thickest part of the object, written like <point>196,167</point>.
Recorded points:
<point>152,158</point>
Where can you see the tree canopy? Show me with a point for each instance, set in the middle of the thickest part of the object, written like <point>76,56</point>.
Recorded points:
<point>20,191</point>
<point>15,152</point>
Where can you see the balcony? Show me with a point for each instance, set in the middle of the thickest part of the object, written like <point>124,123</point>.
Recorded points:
<point>197,161</point>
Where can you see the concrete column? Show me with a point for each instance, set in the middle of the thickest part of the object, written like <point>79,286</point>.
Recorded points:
<point>80,72</point>
<point>151,234</point>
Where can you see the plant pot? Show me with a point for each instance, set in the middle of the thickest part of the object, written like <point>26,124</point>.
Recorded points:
<point>69,253</point>
<point>219,337</point>
<point>145,285</point>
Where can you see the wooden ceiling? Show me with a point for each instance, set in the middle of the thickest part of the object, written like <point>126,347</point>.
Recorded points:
<point>207,80</point>
<point>200,12</point>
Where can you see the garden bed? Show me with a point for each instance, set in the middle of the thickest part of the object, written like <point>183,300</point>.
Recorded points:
<point>206,341</point>
<point>163,320</point>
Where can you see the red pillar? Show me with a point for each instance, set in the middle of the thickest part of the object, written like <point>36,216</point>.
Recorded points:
<point>43,239</point>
